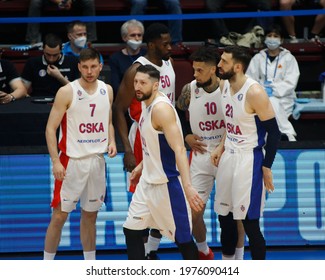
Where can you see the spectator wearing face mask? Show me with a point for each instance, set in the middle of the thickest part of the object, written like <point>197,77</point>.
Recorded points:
<point>132,34</point>
<point>77,35</point>
<point>277,70</point>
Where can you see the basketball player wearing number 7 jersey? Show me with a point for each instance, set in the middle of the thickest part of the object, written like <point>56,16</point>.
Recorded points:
<point>82,110</point>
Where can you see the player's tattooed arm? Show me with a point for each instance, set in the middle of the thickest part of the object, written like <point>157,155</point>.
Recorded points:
<point>183,101</point>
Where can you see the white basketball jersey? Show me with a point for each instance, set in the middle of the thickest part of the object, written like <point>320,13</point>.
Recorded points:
<point>206,117</point>
<point>159,162</point>
<point>167,77</point>
<point>84,127</point>
<point>244,130</point>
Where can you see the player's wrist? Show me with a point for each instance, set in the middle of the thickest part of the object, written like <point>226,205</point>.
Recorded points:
<point>55,159</point>
<point>12,98</point>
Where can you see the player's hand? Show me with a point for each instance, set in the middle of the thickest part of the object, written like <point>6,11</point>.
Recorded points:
<point>268,179</point>
<point>195,143</point>
<point>2,94</point>
<point>195,201</point>
<point>111,150</point>
<point>5,98</point>
<point>129,161</point>
<point>216,155</point>
<point>58,170</point>
<point>135,175</point>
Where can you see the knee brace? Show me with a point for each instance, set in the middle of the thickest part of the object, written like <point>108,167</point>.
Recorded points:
<point>145,233</point>
<point>134,244</point>
<point>228,235</point>
<point>155,233</point>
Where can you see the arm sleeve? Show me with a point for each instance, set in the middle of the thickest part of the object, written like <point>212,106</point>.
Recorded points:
<point>272,141</point>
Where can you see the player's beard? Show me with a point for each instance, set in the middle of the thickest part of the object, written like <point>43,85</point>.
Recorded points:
<point>144,96</point>
<point>164,57</point>
<point>227,75</point>
<point>204,84</point>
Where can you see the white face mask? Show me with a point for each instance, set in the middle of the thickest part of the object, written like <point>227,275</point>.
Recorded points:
<point>133,44</point>
<point>80,42</point>
<point>272,43</point>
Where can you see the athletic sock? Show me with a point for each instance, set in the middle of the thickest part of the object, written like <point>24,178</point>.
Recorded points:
<point>152,244</point>
<point>203,247</point>
<point>239,253</point>
<point>90,255</point>
<point>48,256</point>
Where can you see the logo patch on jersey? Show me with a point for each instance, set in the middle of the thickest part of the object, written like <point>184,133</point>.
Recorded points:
<point>197,93</point>
<point>102,91</point>
<point>42,73</point>
<point>79,92</point>
<point>240,97</point>
<point>242,208</point>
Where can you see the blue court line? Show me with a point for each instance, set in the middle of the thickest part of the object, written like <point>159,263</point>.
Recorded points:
<point>162,17</point>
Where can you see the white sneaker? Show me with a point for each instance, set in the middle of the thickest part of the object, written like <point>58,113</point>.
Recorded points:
<point>315,39</point>
<point>293,39</point>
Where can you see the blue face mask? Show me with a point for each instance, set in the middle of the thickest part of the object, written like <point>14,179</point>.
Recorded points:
<point>272,43</point>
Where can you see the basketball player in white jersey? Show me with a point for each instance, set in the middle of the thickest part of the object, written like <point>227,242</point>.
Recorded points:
<point>201,98</point>
<point>244,172</point>
<point>82,110</point>
<point>164,194</point>
<point>158,40</point>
